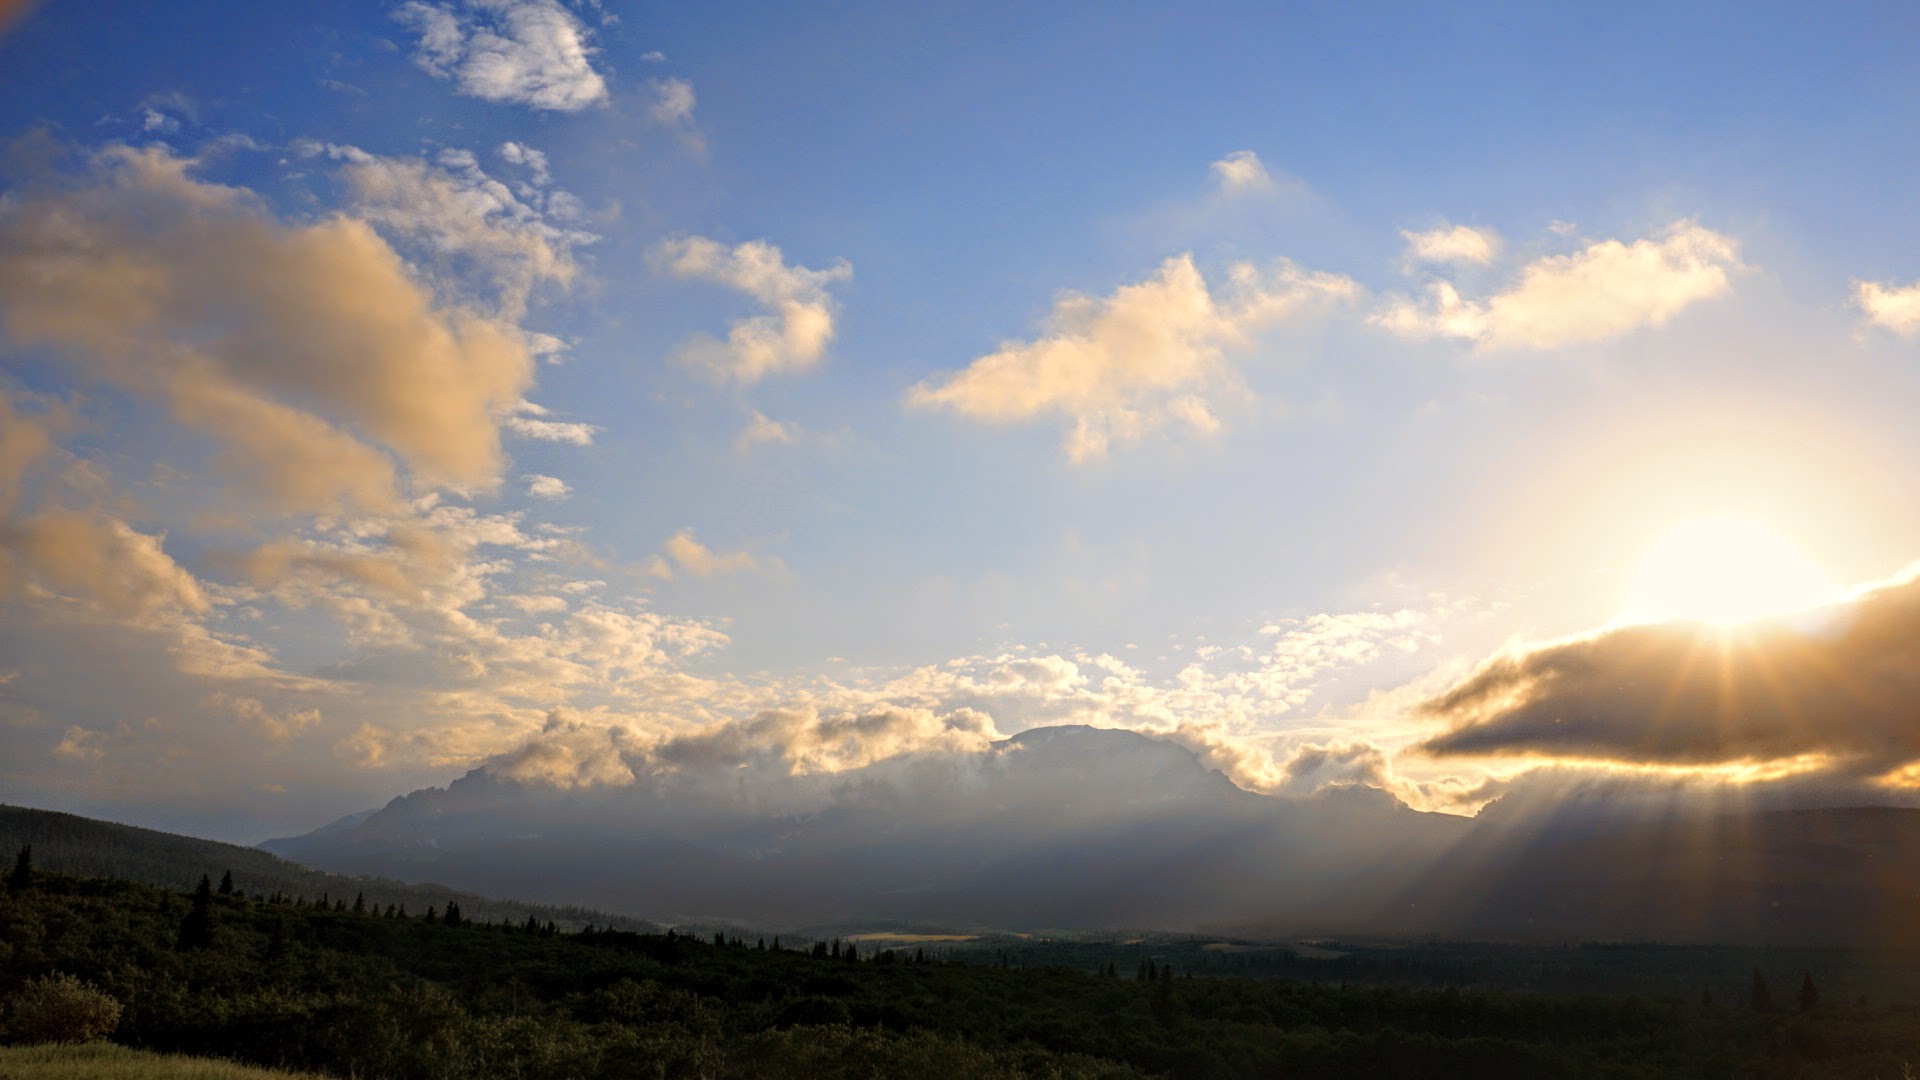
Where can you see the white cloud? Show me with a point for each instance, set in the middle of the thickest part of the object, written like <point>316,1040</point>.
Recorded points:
<point>673,101</point>
<point>1451,244</point>
<point>522,52</point>
<point>696,558</point>
<point>463,222</point>
<point>1241,171</point>
<point>793,334</point>
<point>1602,291</point>
<point>546,487</point>
<point>1125,365</point>
<point>1889,306</point>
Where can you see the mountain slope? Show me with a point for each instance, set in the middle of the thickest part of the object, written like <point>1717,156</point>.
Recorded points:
<point>70,844</point>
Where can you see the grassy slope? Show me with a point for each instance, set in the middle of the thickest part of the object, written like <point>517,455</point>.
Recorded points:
<point>105,1061</point>
<point>70,844</point>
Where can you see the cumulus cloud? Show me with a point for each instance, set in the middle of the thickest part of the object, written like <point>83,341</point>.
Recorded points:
<point>1686,694</point>
<point>1452,244</point>
<point>1125,365</point>
<point>1241,171</point>
<point>1890,306</point>
<point>277,724</point>
<point>546,487</point>
<point>806,740</point>
<point>260,332</point>
<point>1603,291</point>
<point>522,52</point>
<point>696,558</point>
<point>800,312</point>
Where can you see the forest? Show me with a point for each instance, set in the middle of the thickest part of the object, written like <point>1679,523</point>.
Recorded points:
<point>350,987</point>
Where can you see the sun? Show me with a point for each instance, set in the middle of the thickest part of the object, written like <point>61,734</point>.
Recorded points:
<point>1723,569</point>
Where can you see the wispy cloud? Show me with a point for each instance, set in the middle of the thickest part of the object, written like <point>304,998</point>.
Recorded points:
<point>1240,172</point>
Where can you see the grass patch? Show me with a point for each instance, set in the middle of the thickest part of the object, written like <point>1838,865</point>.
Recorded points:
<point>107,1061</point>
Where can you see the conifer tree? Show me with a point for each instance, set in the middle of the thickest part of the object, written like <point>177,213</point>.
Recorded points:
<point>360,903</point>
<point>1760,995</point>
<point>226,883</point>
<point>432,915</point>
<point>22,877</point>
<point>1809,997</point>
<point>852,954</point>
<point>196,931</point>
<point>452,917</point>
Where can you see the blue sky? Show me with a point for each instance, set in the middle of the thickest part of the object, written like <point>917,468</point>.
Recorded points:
<point>1245,375</point>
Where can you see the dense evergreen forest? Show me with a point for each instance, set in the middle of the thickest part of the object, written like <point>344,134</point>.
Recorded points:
<point>261,977</point>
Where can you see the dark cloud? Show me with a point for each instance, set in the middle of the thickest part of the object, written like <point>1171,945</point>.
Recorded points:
<point>1694,694</point>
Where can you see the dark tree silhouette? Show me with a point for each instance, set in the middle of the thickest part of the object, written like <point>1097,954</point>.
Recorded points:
<point>22,876</point>
<point>1761,996</point>
<point>226,883</point>
<point>196,930</point>
<point>1809,997</point>
<point>452,917</point>
<point>359,903</point>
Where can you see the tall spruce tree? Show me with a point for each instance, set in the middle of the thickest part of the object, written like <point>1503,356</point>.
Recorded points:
<point>226,883</point>
<point>196,930</point>
<point>22,877</point>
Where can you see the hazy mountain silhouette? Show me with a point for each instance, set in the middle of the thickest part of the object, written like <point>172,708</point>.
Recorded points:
<point>1059,827</point>
<point>1080,827</point>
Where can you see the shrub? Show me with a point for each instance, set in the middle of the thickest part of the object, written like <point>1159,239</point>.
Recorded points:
<point>60,1008</point>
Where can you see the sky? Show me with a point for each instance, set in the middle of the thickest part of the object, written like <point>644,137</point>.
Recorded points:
<point>394,389</point>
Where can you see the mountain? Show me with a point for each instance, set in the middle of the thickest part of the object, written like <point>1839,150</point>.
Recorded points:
<point>1082,828</point>
<point>1828,876</point>
<point>1057,827</point>
<point>70,844</point>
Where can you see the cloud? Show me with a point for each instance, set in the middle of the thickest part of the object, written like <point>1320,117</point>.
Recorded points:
<point>793,334</point>
<point>103,558</point>
<point>1688,694</point>
<point>1125,365</point>
<point>522,52</point>
<point>261,333</point>
<point>1241,171</point>
<point>695,558</point>
<point>465,224</point>
<point>808,740</point>
<point>1889,306</point>
<point>278,725</point>
<point>760,430</point>
<point>673,102</point>
<point>547,487</point>
<point>1602,291</point>
<point>1458,243</point>
<point>526,421</point>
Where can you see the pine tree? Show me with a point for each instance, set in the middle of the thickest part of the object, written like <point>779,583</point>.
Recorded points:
<point>359,903</point>
<point>1809,997</point>
<point>452,917</point>
<point>1761,996</point>
<point>22,877</point>
<point>226,883</point>
<point>852,954</point>
<point>432,915</point>
<point>196,931</point>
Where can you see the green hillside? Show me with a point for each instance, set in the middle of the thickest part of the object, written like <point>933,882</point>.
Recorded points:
<point>84,847</point>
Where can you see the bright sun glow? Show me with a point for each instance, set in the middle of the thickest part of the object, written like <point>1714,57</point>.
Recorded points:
<point>1723,569</point>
